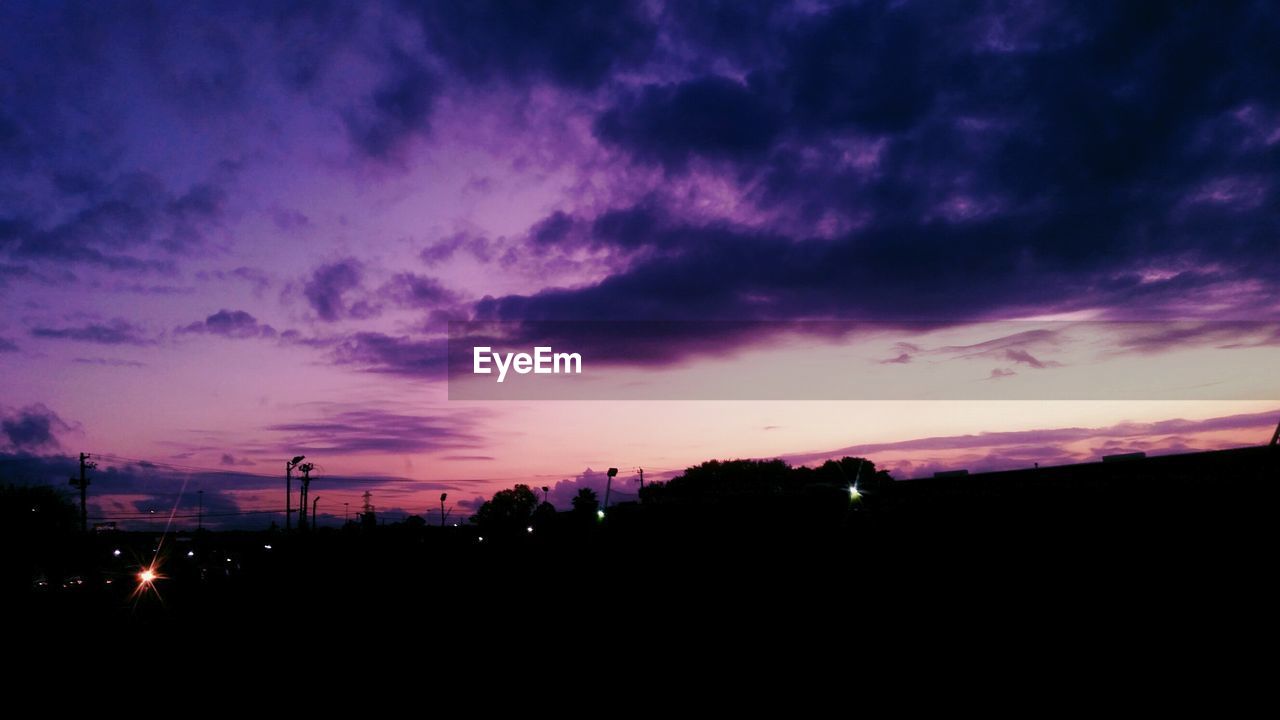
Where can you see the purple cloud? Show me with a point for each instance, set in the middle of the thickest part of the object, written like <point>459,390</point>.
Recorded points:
<point>231,324</point>
<point>32,428</point>
<point>358,430</point>
<point>327,286</point>
<point>115,332</point>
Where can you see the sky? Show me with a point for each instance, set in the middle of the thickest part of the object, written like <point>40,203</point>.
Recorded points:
<point>232,232</point>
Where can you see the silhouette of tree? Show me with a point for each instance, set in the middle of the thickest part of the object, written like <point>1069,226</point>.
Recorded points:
<point>720,480</point>
<point>36,511</point>
<point>586,502</point>
<point>415,521</point>
<point>544,515</point>
<point>508,510</point>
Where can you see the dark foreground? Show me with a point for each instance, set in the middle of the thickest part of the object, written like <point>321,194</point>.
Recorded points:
<point>1165,550</point>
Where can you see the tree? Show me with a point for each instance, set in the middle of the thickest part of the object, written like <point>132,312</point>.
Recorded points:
<point>508,510</point>
<point>586,502</point>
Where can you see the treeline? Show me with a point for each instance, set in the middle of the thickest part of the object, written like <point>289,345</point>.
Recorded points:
<point>713,487</point>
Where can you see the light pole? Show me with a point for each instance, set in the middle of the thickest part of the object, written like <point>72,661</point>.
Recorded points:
<point>608,485</point>
<point>443,515</point>
<point>289,465</point>
<point>346,513</point>
<point>306,469</point>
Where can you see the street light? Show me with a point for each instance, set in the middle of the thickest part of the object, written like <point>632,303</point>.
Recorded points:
<point>607,487</point>
<point>288,490</point>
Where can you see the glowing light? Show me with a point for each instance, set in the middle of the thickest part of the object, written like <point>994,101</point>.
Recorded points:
<point>600,514</point>
<point>529,529</point>
<point>854,495</point>
<point>147,578</point>
<point>191,553</point>
<point>266,547</point>
<point>481,538</point>
<point>115,553</point>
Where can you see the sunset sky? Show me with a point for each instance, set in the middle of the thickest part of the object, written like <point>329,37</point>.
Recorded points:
<point>235,232</point>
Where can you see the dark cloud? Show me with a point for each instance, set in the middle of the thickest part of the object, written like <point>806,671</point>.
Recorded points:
<point>1025,358</point>
<point>232,324</point>
<point>7,345</point>
<point>351,430</point>
<point>927,163</point>
<point>574,44</point>
<point>399,109</point>
<point>327,287</point>
<point>479,247</point>
<point>417,291</point>
<point>32,428</point>
<point>391,354</point>
<point>552,229</point>
<point>257,279</point>
<point>711,117</point>
<point>232,461</point>
<point>136,223</point>
<point>115,332</point>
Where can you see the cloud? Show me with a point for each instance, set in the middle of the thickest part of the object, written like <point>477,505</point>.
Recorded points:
<point>907,161</point>
<point>230,460</point>
<point>399,355</point>
<point>32,428</point>
<point>417,291</point>
<point>399,109</point>
<point>134,224</point>
<point>327,287</point>
<point>491,41</point>
<point>115,332</point>
<point>712,117</point>
<point>1023,357</point>
<point>7,345</point>
<point>110,362</point>
<point>367,430</point>
<point>230,324</point>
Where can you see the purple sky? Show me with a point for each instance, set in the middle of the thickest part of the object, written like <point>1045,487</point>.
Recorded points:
<point>233,232</point>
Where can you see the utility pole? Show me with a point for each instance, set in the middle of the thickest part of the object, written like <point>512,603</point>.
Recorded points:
<point>289,465</point>
<point>314,503</point>
<point>640,472</point>
<point>443,514</point>
<point>200,512</point>
<point>82,483</point>
<point>306,485</point>
<point>346,513</point>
